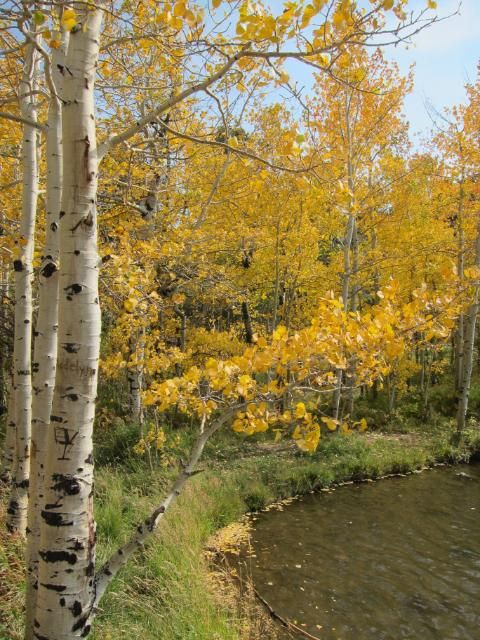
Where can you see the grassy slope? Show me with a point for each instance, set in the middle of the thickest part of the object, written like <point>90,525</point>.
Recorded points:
<point>165,592</point>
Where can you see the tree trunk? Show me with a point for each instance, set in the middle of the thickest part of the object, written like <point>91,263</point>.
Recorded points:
<point>45,347</point>
<point>468,348</point>
<point>460,333</point>
<point>9,446</point>
<point>67,530</point>
<point>22,381</point>
<point>135,380</point>
<point>247,323</point>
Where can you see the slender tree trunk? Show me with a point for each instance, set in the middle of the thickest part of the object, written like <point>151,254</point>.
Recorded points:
<point>45,347</point>
<point>353,307</point>
<point>460,333</point>
<point>247,323</point>
<point>22,381</point>
<point>9,446</point>
<point>350,233</point>
<point>392,392</point>
<point>67,532</point>
<point>135,380</point>
<point>6,385</point>
<point>468,348</point>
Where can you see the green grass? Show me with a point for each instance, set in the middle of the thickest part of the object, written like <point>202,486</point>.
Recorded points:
<point>165,587</point>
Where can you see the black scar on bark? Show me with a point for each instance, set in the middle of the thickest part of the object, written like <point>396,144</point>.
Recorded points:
<point>23,484</point>
<point>54,226</point>
<point>62,602</point>
<point>54,587</point>
<point>56,419</point>
<point>55,519</point>
<point>61,214</point>
<point>58,556</point>
<point>86,631</point>
<point>76,252</point>
<point>77,546</point>
<point>12,507</point>
<point>89,459</point>
<point>48,270</point>
<point>90,570</point>
<point>71,347</point>
<point>80,624</point>
<point>39,637</point>
<point>17,265</point>
<point>73,289</point>
<point>76,608</point>
<point>71,396</point>
<point>66,484</point>
<point>26,321</point>
<point>35,367</point>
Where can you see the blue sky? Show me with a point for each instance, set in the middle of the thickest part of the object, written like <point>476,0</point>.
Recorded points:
<point>445,58</point>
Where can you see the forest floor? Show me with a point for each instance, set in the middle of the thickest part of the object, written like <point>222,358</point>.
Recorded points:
<point>171,590</point>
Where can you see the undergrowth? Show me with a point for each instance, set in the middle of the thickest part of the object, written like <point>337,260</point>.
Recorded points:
<point>168,590</point>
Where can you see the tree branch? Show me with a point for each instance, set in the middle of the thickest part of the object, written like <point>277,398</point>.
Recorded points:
<point>22,120</point>
<point>110,569</point>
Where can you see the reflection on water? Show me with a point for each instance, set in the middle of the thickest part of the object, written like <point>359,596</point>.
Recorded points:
<point>397,559</point>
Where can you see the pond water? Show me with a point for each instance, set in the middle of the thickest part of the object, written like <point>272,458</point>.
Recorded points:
<point>390,560</point>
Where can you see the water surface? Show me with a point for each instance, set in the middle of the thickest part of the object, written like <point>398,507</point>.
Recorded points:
<point>391,560</point>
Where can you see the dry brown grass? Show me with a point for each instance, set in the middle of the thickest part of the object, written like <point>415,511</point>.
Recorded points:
<point>12,578</point>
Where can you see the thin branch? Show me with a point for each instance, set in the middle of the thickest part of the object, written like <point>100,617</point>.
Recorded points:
<point>110,569</point>
<point>22,120</point>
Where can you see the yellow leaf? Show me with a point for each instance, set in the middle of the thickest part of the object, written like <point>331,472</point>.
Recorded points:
<point>216,3</point>
<point>130,304</point>
<point>279,332</point>
<point>331,423</point>
<point>69,24</point>
<point>300,410</point>
<point>69,19</point>
<point>179,10</point>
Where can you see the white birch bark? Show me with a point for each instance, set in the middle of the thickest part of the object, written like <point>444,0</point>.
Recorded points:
<point>22,382</point>
<point>45,347</point>
<point>67,527</point>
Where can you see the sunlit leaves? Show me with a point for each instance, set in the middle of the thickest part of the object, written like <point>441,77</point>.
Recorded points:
<point>69,19</point>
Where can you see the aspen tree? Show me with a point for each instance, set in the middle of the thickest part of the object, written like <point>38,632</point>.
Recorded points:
<point>67,531</point>
<point>46,330</point>
<point>22,381</point>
